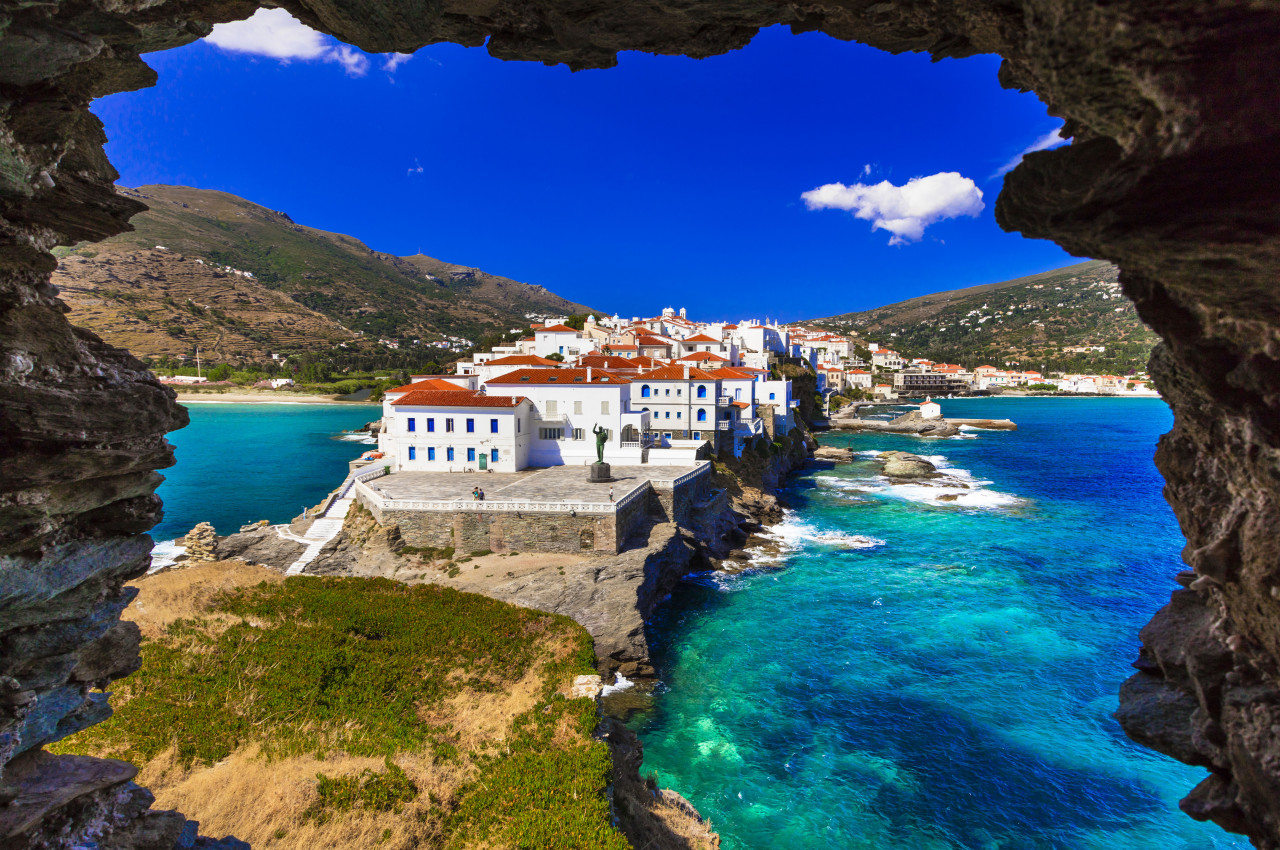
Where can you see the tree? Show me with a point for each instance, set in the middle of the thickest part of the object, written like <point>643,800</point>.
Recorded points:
<point>556,356</point>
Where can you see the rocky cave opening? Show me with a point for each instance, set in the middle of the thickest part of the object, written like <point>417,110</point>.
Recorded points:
<point>1170,175</point>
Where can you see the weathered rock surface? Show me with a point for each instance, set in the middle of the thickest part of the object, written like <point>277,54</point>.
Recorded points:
<point>906,465</point>
<point>612,597</point>
<point>1174,131</point>
<point>201,544</point>
<point>260,546</point>
<point>833,453</point>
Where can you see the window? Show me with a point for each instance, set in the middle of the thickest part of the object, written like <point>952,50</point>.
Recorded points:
<point>679,392</point>
<point>737,394</point>
<point>550,433</point>
<point>562,349</point>
<point>772,396</point>
<point>697,435</point>
<point>702,392</point>
<point>552,408</point>
<point>431,424</point>
<point>679,414</point>
<point>578,434</point>
<point>448,453</point>
<point>413,425</point>
<point>471,426</point>
<point>668,392</point>
<point>493,426</point>
<point>667,415</point>
<point>431,453</point>
<point>448,425</point>
<point>702,415</point>
<point>471,454</point>
<point>413,453</point>
<point>518,424</point>
<point>604,406</point>
<point>577,408</point>
<point>493,455</point>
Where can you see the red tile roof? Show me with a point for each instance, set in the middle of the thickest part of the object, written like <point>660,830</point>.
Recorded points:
<point>605,361</point>
<point>559,329</point>
<point>701,338</point>
<point>740,404</point>
<point>704,356</point>
<point>428,398</point>
<point>558,376</point>
<point>521,360</point>
<point>435,384</point>
<point>676,373</point>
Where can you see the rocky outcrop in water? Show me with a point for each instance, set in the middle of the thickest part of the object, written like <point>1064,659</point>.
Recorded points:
<point>1174,130</point>
<point>906,465</point>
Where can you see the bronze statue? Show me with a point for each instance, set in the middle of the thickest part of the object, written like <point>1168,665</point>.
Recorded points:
<point>602,436</point>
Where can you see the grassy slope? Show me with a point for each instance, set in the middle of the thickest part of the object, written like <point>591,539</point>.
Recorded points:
<point>1043,314</point>
<point>351,713</point>
<point>329,273</point>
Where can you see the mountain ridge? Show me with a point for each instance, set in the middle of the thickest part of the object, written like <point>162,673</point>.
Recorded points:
<point>191,243</point>
<point>1030,322</point>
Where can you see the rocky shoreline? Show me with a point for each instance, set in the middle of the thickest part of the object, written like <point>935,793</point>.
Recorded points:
<point>613,597</point>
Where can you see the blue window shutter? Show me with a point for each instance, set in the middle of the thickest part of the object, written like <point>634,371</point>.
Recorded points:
<point>413,424</point>
<point>413,453</point>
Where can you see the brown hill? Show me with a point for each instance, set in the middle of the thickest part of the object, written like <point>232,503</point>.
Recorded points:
<point>302,289</point>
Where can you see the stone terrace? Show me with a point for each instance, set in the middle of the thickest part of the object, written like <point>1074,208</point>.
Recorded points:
<point>565,484</point>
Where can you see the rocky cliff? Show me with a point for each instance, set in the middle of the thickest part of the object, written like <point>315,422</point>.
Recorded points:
<point>1174,127</point>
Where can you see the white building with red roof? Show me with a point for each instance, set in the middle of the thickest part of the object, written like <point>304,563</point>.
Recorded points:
<point>438,430</point>
<point>569,405</point>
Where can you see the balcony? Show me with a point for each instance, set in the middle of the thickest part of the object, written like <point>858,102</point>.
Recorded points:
<point>724,401</point>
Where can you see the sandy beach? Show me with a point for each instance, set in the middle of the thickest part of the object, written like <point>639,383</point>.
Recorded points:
<point>243,397</point>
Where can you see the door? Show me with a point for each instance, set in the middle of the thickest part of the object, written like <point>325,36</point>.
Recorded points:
<point>484,461</point>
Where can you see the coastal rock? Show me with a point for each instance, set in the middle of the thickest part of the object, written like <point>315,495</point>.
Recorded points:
<point>589,687</point>
<point>260,546</point>
<point>201,544</point>
<point>906,465</point>
<point>833,453</point>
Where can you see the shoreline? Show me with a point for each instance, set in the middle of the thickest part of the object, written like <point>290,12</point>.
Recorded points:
<point>262,398</point>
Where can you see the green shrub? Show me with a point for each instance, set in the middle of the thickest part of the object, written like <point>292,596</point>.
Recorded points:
<point>480,553</point>
<point>383,792</point>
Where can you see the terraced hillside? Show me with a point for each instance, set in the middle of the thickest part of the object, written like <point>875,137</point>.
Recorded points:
<point>1030,322</point>
<point>179,280</point>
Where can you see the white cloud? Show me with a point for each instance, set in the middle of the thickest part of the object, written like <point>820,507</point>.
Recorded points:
<point>276,34</point>
<point>904,211</point>
<point>395,60</point>
<point>271,32</point>
<point>1048,140</point>
<point>416,168</point>
<point>866,170</point>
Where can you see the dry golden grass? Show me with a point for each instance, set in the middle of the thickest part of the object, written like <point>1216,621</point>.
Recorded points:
<point>183,594</point>
<point>262,802</point>
<point>265,801</point>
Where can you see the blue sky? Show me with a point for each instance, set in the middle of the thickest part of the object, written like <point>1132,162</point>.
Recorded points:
<point>665,180</point>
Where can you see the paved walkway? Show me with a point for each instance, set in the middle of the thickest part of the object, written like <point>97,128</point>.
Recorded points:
<point>566,484</point>
<point>323,529</point>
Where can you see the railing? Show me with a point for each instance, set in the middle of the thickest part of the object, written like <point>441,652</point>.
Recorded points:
<point>703,468</point>
<point>724,425</point>
<point>724,401</point>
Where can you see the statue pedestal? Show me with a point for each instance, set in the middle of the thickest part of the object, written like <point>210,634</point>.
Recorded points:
<point>598,473</point>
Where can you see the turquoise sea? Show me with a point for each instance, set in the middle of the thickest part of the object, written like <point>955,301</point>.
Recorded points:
<point>239,463</point>
<point>916,673</point>
<point>901,672</point>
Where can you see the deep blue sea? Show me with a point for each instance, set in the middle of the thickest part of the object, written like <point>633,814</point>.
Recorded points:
<point>909,672</point>
<point>916,673</point>
<point>239,463</point>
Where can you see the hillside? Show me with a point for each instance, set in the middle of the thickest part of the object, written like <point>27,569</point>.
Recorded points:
<point>1029,322</point>
<point>241,280</point>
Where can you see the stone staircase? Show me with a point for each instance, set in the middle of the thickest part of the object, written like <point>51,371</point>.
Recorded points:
<point>323,529</point>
